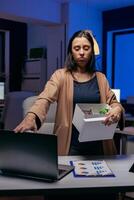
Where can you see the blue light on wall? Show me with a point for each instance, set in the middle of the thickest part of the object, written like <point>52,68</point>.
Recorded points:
<point>120,70</point>
<point>124,64</point>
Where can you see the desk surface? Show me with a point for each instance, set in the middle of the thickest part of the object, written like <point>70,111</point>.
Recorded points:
<point>123,180</point>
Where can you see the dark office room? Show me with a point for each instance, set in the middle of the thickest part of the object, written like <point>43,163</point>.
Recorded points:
<point>36,47</point>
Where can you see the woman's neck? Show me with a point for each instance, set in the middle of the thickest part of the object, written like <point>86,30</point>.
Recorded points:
<point>82,76</point>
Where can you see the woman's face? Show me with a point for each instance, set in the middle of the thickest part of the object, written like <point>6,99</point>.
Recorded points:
<point>81,51</point>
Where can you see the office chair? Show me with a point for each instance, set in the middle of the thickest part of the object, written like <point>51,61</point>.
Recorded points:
<point>13,113</point>
<point>48,125</point>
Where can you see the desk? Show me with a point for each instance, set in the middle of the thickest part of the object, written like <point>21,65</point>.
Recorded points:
<point>123,182</point>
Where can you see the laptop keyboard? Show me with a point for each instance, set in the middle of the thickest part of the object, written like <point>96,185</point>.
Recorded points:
<point>61,171</point>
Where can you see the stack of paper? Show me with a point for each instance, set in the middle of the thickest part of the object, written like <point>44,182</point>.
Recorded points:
<point>89,168</point>
<point>89,121</point>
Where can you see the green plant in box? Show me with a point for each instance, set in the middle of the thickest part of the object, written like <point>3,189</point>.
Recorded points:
<point>103,110</point>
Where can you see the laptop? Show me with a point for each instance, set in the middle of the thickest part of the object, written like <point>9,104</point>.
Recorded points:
<point>31,155</point>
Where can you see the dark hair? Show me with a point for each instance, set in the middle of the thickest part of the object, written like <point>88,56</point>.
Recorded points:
<point>70,62</point>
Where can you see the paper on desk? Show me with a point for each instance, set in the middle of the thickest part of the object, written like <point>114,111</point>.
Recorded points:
<point>89,123</point>
<point>90,168</point>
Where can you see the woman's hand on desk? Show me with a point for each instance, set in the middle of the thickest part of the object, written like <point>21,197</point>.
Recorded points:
<point>28,124</point>
<point>112,116</point>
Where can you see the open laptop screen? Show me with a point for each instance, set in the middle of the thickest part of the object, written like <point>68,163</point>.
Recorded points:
<point>30,155</point>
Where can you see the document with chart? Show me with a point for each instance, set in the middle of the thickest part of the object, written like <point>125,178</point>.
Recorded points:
<point>91,168</point>
<point>88,120</point>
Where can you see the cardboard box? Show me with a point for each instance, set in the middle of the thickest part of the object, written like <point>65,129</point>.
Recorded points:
<point>88,119</point>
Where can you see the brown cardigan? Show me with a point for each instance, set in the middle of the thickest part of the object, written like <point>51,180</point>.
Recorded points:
<point>60,88</point>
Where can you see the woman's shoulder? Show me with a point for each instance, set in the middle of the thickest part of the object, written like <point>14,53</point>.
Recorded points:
<point>59,75</point>
<point>100,74</point>
<point>61,71</point>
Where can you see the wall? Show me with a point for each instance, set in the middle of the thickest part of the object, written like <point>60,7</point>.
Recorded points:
<point>53,39</point>
<point>38,10</point>
<point>121,23</point>
<point>74,16</point>
<point>119,19</point>
<point>53,25</point>
<point>36,36</point>
<point>82,16</point>
<point>55,48</point>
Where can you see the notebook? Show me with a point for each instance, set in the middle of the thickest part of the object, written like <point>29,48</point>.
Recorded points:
<point>31,155</point>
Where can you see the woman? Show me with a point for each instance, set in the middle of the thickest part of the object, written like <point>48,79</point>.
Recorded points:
<point>77,82</point>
